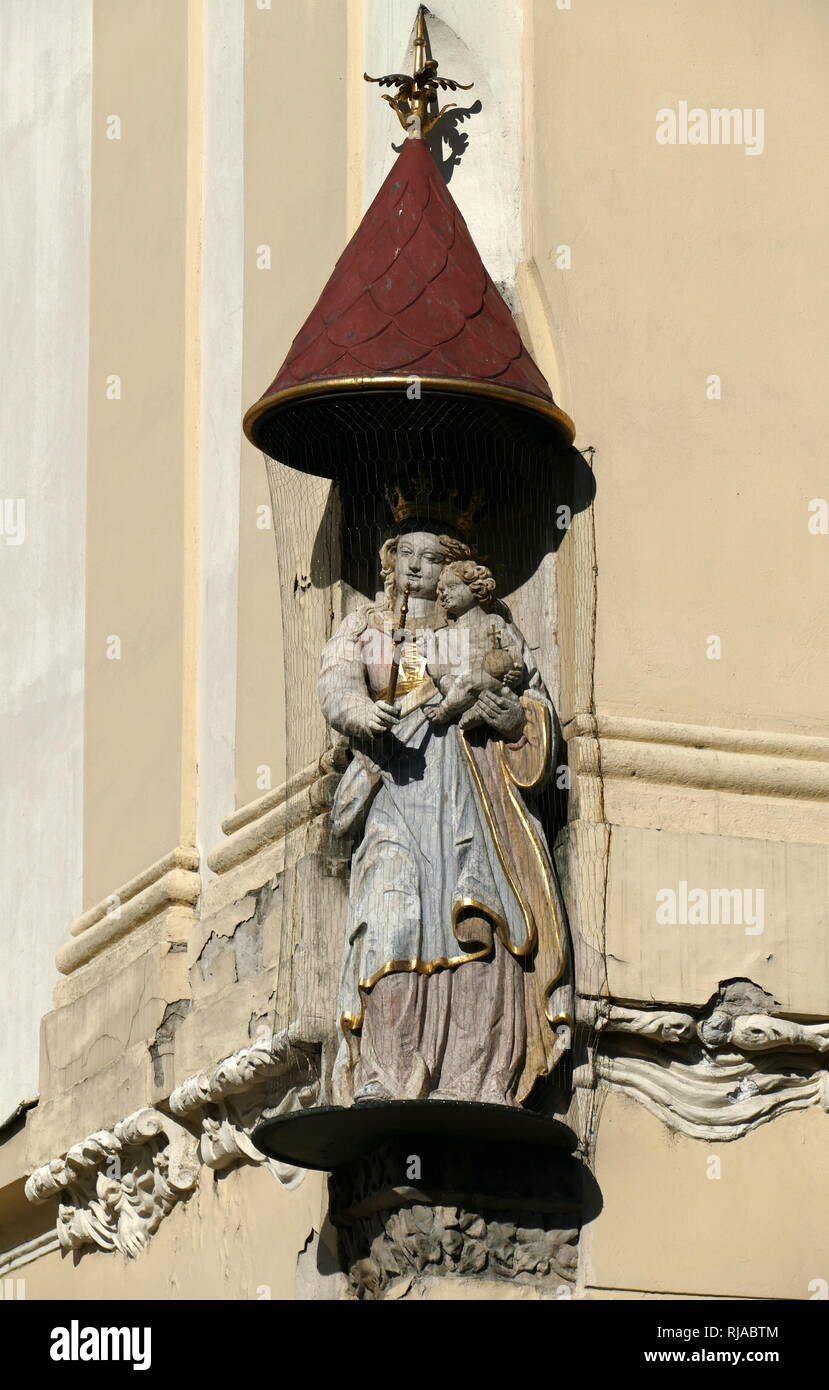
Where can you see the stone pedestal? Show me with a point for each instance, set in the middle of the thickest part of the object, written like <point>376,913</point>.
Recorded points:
<point>416,1210</point>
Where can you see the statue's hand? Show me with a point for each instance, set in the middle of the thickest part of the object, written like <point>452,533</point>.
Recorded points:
<point>438,714</point>
<point>515,676</point>
<point>379,718</point>
<point>503,712</point>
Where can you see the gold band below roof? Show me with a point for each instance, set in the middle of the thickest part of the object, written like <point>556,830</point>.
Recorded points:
<point>452,385</point>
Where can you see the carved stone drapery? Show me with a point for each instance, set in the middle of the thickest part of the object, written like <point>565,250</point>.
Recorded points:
<point>717,1074</point>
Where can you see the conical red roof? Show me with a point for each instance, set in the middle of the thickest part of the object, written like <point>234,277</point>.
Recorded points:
<point>410,296</point>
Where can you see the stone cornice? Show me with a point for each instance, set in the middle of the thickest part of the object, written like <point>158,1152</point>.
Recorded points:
<point>276,797</point>
<point>715,1076</point>
<point>173,881</point>
<point>271,818</point>
<point>750,762</point>
<point>183,857</point>
<point>747,1032</point>
<point>703,736</point>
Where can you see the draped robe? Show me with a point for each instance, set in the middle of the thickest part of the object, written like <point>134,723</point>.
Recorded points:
<point>456,976</point>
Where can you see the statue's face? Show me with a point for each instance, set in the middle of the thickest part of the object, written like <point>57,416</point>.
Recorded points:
<point>418,564</point>
<point>456,597</point>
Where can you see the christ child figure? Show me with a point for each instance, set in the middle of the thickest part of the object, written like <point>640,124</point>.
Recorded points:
<point>483,652</point>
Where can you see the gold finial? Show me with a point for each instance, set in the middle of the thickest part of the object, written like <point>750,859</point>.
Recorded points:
<point>421,40</point>
<point>417,93</point>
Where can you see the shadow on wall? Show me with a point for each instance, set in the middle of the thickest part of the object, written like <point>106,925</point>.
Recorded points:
<point>447,132</point>
<point>525,520</point>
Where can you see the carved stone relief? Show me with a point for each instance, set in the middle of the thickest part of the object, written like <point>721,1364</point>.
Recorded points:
<point>466,1211</point>
<point>715,1075</point>
<point>115,1187</point>
<point>267,1078</point>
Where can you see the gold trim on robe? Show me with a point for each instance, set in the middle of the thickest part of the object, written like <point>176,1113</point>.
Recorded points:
<point>497,770</point>
<point>524,765</point>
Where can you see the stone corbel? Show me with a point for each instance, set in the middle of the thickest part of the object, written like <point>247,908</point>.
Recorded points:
<point>747,1032</point>
<point>116,1186</point>
<point>662,1025</point>
<point>228,1101</point>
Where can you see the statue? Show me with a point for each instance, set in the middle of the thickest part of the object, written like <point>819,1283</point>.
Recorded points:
<point>492,654</point>
<point>456,979</point>
<point>429,887</point>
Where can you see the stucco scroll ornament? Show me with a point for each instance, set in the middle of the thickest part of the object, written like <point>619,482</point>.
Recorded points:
<point>228,1102</point>
<point>456,980</point>
<point>115,1187</point>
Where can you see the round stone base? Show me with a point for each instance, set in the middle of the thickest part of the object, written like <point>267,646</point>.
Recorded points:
<point>326,1137</point>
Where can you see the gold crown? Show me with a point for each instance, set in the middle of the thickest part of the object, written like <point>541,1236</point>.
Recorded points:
<point>425,504</point>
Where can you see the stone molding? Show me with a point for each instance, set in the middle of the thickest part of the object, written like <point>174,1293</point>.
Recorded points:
<point>28,1251</point>
<point>748,1032</point>
<point>116,1186</point>
<point>277,796</point>
<point>172,881</point>
<point>277,815</point>
<point>746,761</point>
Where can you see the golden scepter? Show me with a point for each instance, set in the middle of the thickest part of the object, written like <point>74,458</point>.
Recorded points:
<point>394,669</point>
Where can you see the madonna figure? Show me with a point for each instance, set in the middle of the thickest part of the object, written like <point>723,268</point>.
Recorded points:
<point>456,981</point>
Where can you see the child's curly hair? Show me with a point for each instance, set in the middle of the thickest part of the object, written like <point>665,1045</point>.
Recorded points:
<point>476,577</point>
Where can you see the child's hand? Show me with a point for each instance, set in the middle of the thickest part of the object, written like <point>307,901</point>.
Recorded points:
<point>503,713</point>
<point>514,676</point>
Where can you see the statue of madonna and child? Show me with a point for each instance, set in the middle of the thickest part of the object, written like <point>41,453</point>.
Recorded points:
<point>456,980</point>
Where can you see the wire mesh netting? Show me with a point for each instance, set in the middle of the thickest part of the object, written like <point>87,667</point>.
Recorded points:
<point>417,582</point>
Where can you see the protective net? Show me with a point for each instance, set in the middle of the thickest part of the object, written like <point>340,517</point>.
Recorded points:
<point>416,888</point>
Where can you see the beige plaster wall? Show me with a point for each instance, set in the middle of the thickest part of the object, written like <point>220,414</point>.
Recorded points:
<point>775,933</point>
<point>238,1237</point>
<point>750,1222</point>
<point>45,137</point>
<point>295,205</point>
<point>135,514</point>
<point>687,262</point>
